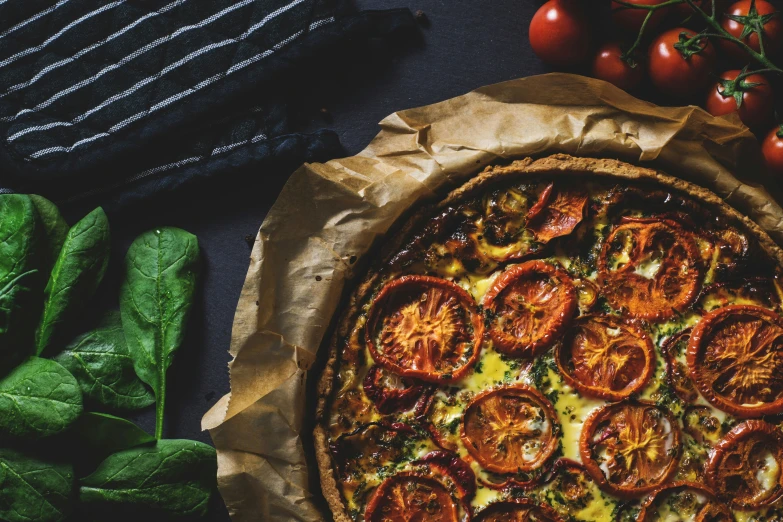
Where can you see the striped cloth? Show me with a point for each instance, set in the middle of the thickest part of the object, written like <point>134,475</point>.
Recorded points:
<point>118,91</point>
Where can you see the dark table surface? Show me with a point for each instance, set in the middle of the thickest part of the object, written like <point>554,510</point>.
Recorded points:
<point>466,44</point>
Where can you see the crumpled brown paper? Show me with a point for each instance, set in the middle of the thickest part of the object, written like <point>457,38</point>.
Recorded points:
<point>328,215</point>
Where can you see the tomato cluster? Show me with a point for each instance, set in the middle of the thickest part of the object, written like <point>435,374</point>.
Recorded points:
<point>686,60</point>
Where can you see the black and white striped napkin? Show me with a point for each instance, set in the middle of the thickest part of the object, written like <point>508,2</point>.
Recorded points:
<point>98,94</point>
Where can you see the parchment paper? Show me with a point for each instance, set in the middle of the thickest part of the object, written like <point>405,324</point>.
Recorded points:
<point>329,215</point>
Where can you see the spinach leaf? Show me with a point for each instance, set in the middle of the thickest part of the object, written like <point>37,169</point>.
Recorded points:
<point>76,275</point>
<point>38,398</point>
<point>155,301</point>
<point>54,226</point>
<point>20,281</point>
<point>101,363</point>
<point>33,490</point>
<point>174,479</point>
<point>95,436</point>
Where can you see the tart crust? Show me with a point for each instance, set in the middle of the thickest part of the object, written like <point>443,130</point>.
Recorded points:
<point>552,166</point>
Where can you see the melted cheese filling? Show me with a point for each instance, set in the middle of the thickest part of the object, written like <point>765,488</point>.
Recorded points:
<point>572,409</point>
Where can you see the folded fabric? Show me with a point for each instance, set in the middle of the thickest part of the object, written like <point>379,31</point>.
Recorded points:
<point>96,95</point>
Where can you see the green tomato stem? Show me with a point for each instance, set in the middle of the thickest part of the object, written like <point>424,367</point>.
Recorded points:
<point>712,21</point>
<point>722,33</point>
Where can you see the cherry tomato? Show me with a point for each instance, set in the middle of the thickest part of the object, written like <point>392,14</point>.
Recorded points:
<point>631,20</point>
<point>560,33</point>
<point>772,148</point>
<point>609,66</point>
<point>678,66</point>
<point>754,92</point>
<point>739,20</point>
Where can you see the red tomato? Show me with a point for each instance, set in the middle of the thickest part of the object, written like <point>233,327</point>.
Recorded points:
<point>679,68</point>
<point>765,14</point>
<point>754,91</point>
<point>560,33</point>
<point>609,66</point>
<point>772,148</point>
<point>631,20</point>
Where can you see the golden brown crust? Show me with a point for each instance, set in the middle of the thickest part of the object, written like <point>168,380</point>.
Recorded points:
<point>558,164</point>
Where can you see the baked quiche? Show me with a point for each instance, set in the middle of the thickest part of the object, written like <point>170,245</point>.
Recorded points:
<point>561,339</point>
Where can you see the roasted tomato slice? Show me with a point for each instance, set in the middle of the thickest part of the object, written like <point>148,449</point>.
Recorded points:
<point>530,305</point>
<point>556,213</point>
<point>650,268</point>
<point>759,291</point>
<point>426,328</point>
<point>408,496</point>
<point>674,348</point>
<point>630,448</point>
<point>390,392</point>
<point>735,357</point>
<point>746,467</point>
<point>510,429</point>
<point>522,510</point>
<point>603,357</point>
<point>684,501</point>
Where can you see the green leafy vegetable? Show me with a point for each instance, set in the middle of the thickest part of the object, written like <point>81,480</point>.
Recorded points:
<point>32,490</point>
<point>54,226</point>
<point>20,280</point>
<point>171,480</point>
<point>95,436</point>
<point>76,275</point>
<point>101,363</point>
<point>38,398</point>
<point>155,301</point>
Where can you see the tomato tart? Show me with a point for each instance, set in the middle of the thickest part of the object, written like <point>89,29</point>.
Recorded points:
<point>560,339</point>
